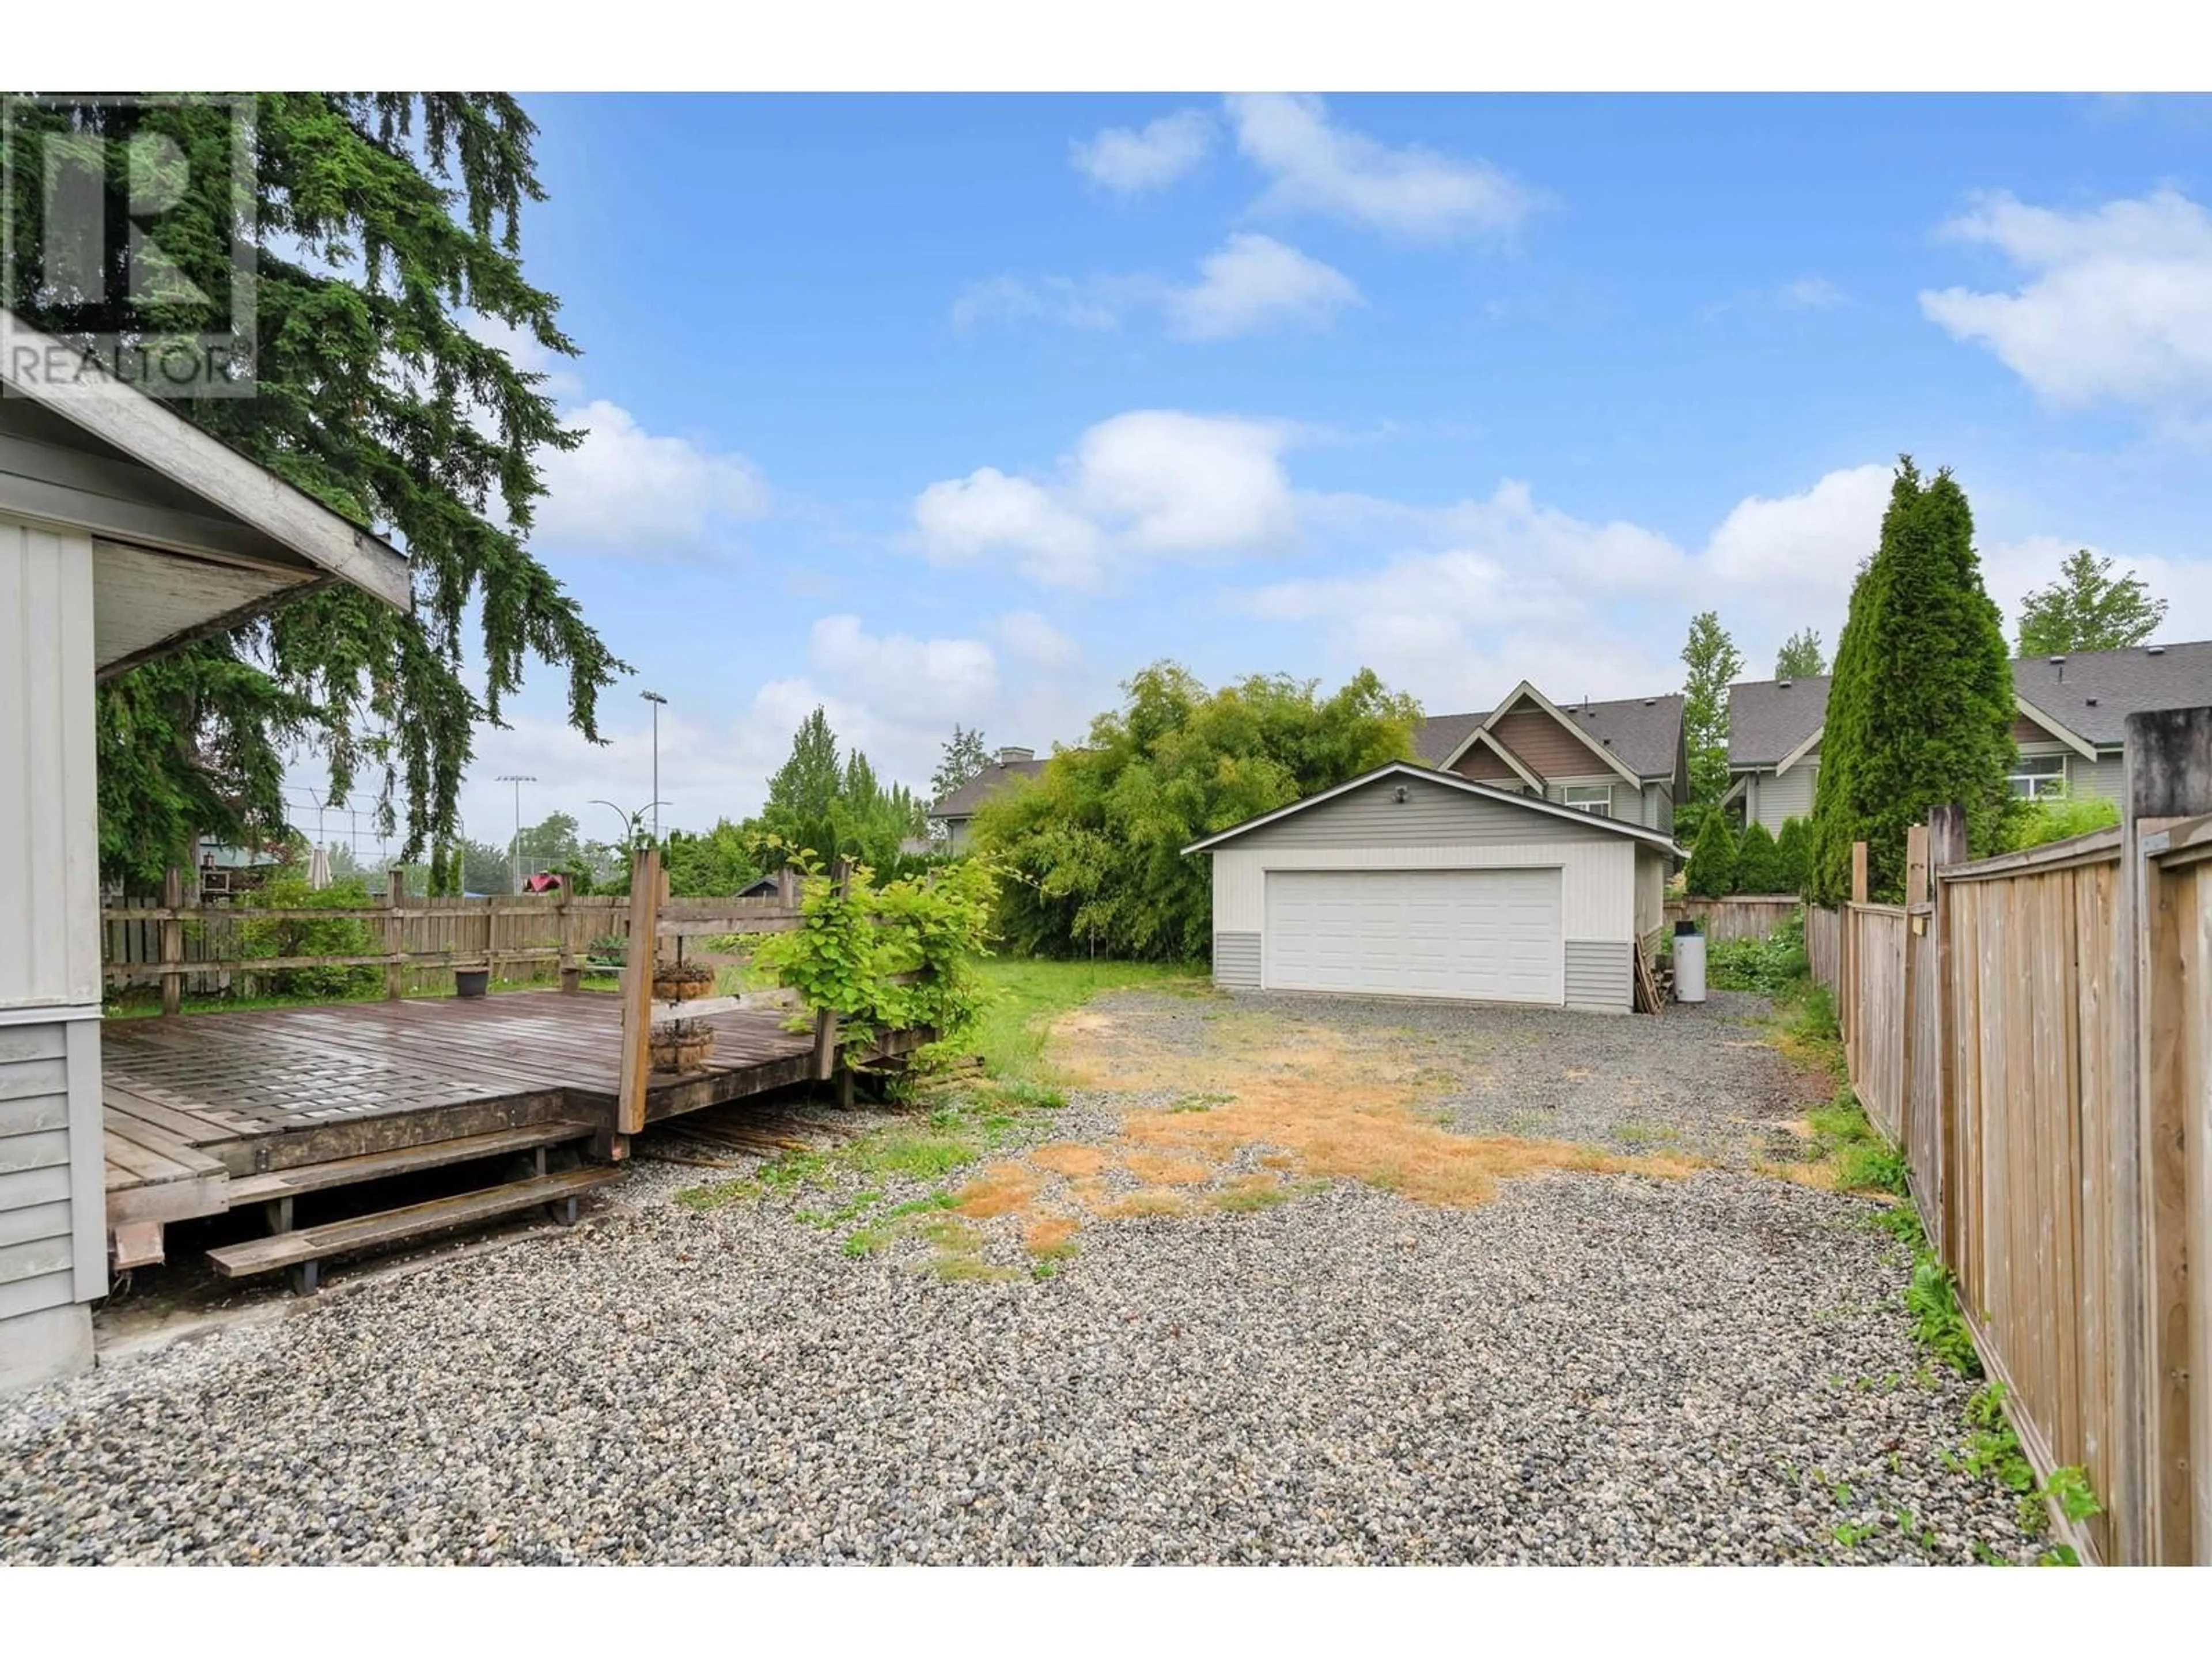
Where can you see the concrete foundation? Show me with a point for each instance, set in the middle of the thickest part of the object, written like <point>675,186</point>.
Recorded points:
<point>38,1347</point>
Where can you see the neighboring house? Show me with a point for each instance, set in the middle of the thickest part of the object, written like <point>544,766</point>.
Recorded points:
<point>2070,719</point>
<point>124,532</point>
<point>955,809</point>
<point>1413,881</point>
<point>1623,759</point>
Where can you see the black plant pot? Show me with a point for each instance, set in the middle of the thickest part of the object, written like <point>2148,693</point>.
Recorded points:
<point>472,982</point>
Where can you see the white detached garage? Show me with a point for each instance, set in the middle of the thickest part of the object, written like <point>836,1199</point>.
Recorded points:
<point>1412,882</point>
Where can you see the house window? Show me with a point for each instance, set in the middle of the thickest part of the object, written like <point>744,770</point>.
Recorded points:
<point>1591,797</point>
<point>2036,776</point>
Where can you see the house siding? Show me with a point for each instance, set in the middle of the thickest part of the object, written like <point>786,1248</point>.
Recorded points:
<point>1599,974</point>
<point>49,832</point>
<point>2104,778</point>
<point>1547,748</point>
<point>1771,800</point>
<point>1650,894</point>
<point>1486,765</point>
<point>52,1203</point>
<point>1236,961</point>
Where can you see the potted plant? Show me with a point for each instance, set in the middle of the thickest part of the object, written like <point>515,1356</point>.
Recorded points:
<point>681,981</point>
<point>472,982</point>
<point>682,1045</point>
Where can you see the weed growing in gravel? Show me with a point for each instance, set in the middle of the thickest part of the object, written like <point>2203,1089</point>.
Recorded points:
<point>917,1156</point>
<point>867,1241</point>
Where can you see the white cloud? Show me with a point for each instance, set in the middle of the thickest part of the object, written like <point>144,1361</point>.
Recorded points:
<point>925,680</point>
<point>2115,306</point>
<point>964,520</point>
<point>1150,484</point>
<point>1809,293</point>
<point>1252,282</point>
<point>1495,589</point>
<point>1249,283</point>
<point>1031,638</point>
<point>1131,162</point>
<point>626,490</point>
<point>1319,166</point>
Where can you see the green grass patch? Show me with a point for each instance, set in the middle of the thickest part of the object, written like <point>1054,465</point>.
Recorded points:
<point>1031,993</point>
<point>867,1241</point>
<point>916,1157</point>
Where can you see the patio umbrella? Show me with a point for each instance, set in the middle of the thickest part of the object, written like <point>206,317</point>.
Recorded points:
<point>318,868</point>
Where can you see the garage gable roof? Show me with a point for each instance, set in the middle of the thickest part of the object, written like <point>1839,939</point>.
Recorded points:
<point>1566,815</point>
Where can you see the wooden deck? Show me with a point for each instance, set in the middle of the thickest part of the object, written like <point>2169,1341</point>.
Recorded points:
<point>198,1104</point>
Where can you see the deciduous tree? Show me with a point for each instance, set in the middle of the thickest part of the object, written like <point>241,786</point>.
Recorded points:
<point>1801,657</point>
<point>2088,609</point>
<point>963,757</point>
<point>1091,849</point>
<point>1712,662</point>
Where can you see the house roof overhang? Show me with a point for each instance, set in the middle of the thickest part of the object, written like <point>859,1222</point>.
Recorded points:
<point>2058,729</point>
<point>1655,839</point>
<point>80,458</point>
<point>1482,736</point>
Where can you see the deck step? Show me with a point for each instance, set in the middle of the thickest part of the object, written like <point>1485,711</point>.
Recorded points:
<point>369,1232</point>
<point>375,1166</point>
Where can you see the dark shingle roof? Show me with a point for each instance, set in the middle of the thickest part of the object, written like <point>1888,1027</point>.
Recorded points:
<point>962,802</point>
<point>2124,683</point>
<point>1645,732</point>
<point>1767,719</point>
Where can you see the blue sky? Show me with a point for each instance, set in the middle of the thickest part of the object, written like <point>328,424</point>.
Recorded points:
<point>936,408</point>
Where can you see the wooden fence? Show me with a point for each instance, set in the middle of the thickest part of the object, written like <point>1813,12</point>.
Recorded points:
<point>2035,1031</point>
<point>419,943</point>
<point>1745,916</point>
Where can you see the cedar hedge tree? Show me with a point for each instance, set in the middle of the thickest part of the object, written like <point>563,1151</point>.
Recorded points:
<point>1792,856</point>
<point>1920,709</point>
<point>1711,873</point>
<point>1758,861</point>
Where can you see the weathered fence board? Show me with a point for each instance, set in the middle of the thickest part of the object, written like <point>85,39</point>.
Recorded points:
<point>1745,916</point>
<point>2039,1047</point>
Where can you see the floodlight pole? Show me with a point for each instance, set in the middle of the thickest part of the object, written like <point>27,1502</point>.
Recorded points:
<point>514,847</point>
<point>657,702</point>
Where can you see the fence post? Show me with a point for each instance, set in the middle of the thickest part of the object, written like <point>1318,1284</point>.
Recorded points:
<point>2169,776</point>
<point>1947,845</point>
<point>1908,1023</point>
<point>395,933</point>
<point>572,976</point>
<point>641,953</point>
<point>1847,954</point>
<point>173,941</point>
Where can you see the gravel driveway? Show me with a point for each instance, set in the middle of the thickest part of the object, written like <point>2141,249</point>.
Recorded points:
<point>1585,1368</point>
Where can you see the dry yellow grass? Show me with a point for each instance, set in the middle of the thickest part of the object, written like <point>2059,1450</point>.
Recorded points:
<point>1165,1169</point>
<point>1326,1103</point>
<point>1070,1159</point>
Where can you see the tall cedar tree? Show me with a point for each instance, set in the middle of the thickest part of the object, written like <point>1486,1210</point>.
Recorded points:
<point>1712,872</point>
<point>1800,657</point>
<point>1712,662</point>
<point>835,808</point>
<point>382,218</point>
<point>2088,609</point>
<point>1920,710</point>
<point>1090,850</point>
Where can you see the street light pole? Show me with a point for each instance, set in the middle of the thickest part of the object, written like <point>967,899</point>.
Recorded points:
<point>657,702</point>
<point>514,847</point>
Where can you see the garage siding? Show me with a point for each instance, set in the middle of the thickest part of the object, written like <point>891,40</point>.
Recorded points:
<point>1236,961</point>
<point>1432,813</point>
<point>1598,973</point>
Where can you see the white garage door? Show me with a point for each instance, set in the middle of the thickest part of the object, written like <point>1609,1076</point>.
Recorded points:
<point>1484,935</point>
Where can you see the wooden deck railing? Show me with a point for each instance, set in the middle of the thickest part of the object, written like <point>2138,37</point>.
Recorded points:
<point>422,942</point>
<point>2035,1031</point>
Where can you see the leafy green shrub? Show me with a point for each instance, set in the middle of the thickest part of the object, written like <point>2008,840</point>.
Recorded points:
<point>2055,818</point>
<point>1770,967</point>
<point>335,936</point>
<point>894,957</point>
